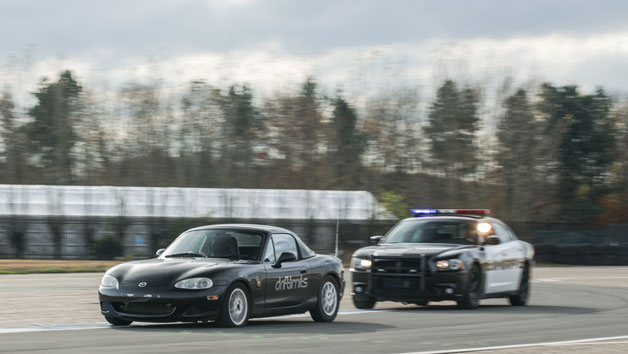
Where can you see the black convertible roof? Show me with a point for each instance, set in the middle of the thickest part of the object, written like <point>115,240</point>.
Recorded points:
<point>267,228</point>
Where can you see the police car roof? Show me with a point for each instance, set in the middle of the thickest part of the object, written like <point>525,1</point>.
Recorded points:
<point>449,217</point>
<point>267,228</point>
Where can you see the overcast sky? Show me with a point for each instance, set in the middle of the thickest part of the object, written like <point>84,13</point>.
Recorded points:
<point>271,44</point>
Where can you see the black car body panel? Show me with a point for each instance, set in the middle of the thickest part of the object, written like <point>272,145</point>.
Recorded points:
<point>147,291</point>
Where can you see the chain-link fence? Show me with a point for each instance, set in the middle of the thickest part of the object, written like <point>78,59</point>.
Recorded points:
<point>85,238</point>
<point>93,237</point>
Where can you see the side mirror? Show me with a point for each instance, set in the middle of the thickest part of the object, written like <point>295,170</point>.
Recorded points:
<point>160,251</point>
<point>285,257</point>
<point>492,240</point>
<point>375,239</point>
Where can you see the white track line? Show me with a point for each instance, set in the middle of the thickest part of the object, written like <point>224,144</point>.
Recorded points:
<point>98,325</point>
<point>542,344</point>
<point>576,281</point>
<point>45,328</point>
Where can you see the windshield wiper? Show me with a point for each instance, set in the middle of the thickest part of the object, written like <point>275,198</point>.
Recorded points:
<point>186,254</point>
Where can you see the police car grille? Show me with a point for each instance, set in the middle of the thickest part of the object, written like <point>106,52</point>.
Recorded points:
<point>392,287</point>
<point>404,266</point>
<point>144,308</point>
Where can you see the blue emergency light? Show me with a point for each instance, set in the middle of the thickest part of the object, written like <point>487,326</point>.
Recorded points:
<point>425,212</point>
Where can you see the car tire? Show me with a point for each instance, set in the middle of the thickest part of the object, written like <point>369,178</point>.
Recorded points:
<point>236,307</point>
<point>521,298</point>
<point>471,297</point>
<point>328,301</point>
<point>118,321</point>
<point>421,303</point>
<point>364,302</point>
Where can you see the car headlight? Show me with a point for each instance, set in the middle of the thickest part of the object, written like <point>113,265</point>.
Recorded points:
<point>450,264</point>
<point>194,283</point>
<point>109,282</point>
<point>361,263</point>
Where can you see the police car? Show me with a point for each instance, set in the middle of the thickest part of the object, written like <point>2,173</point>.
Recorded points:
<point>228,273</point>
<point>443,254</point>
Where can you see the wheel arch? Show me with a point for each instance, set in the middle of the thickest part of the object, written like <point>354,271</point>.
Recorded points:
<point>246,284</point>
<point>334,275</point>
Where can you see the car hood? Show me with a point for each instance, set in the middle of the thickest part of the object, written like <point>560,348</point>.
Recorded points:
<point>169,270</point>
<point>405,249</point>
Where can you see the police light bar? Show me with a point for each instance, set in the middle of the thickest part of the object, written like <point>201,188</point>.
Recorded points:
<point>425,212</point>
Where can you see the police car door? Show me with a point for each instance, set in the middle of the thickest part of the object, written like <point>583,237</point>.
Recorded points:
<point>497,276</point>
<point>287,285</point>
<point>514,258</point>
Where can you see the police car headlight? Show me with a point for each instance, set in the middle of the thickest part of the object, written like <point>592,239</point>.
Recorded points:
<point>361,263</point>
<point>194,283</point>
<point>109,282</point>
<point>450,264</point>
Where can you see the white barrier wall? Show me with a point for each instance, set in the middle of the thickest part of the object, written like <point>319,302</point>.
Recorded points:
<point>39,200</point>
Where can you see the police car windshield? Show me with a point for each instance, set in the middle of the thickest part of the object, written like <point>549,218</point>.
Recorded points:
<point>458,232</point>
<point>214,243</point>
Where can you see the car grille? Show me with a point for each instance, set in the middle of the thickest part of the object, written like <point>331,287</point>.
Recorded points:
<point>398,266</point>
<point>398,277</point>
<point>144,308</point>
<point>393,287</point>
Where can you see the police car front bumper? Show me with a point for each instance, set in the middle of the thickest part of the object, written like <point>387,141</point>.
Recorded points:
<point>173,305</point>
<point>439,286</point>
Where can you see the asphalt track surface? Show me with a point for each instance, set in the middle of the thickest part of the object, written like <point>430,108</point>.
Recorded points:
<point>567,304</point>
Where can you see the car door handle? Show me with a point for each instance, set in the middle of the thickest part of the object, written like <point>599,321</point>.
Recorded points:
<point>303,271</point>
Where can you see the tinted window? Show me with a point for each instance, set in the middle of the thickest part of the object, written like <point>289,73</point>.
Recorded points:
<point>285,243</point>
<point>460,232</point>
<point>218,243</point>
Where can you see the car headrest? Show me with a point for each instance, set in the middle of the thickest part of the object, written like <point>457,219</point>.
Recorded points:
<point>223,245</point>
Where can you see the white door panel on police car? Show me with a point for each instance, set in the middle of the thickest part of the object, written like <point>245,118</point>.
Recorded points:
<point>503,271</point>
<point>510,265</point>
<point>287,285</point>
<point>496,277</point>
<point>517,256</point>
<point>513,254</point>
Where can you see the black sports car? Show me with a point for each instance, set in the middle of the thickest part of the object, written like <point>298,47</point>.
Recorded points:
<point>228,273</point>
<point>443,254</point>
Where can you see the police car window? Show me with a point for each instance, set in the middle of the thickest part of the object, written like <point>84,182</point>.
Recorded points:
<point>285,243</point>
<point>502,233</point>
<point>460,232</point>
<point>513,236</point>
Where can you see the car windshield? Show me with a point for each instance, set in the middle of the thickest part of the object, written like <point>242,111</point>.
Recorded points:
<point>217,243</point>
<point>460,232</point>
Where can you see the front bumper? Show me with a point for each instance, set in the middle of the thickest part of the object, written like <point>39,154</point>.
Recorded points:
<point>172,305</point>
<point>438,286</point>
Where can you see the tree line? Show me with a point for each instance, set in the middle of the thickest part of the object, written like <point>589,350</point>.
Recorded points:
<point>544,153</point>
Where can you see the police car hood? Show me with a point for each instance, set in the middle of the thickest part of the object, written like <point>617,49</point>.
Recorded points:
<point>170,270</point>
<point>405,249</point>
